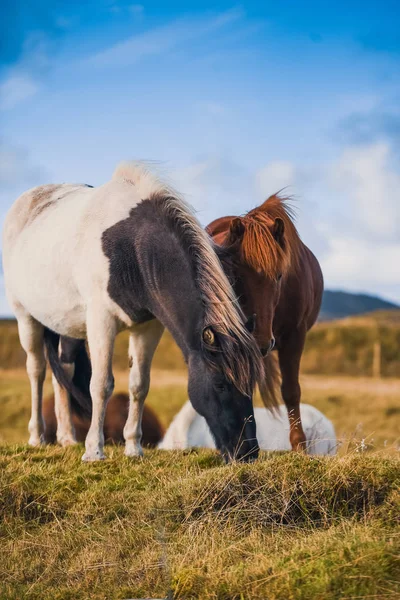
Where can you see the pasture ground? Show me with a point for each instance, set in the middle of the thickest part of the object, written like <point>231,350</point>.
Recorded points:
<point>181,523</point>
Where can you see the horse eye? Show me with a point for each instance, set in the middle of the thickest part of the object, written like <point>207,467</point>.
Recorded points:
<point>220,387</point>
<point>279,277</point>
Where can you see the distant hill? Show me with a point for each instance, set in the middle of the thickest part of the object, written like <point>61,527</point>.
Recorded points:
<point>337,305</point>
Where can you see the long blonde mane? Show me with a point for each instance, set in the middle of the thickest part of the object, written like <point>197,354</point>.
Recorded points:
<point>238,354</point>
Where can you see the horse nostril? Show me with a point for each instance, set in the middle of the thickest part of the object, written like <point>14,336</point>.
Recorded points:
<point>267,349</point>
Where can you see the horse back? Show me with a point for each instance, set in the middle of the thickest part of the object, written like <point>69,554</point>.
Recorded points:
<point>31,205</point>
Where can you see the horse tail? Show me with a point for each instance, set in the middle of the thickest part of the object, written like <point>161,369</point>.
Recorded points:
<point>270,387</point>
<point>78,388</point>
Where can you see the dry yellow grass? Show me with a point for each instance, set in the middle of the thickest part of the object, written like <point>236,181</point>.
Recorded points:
<point>339,347</point>
<point>360,408</point>
<point>288,527</point>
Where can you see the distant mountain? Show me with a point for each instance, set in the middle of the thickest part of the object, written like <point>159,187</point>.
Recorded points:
<point>337,305</point>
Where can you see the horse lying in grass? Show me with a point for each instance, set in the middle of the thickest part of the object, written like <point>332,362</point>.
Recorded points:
<point>278,279</point>
<point>188,429</point>
<point>114,423</point>
<point>86,262</point>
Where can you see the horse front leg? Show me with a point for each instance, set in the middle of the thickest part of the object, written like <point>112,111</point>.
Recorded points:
<point>31,338</point>
<point>101,332</point>
<point>289,362</point>
<point>143,342</point>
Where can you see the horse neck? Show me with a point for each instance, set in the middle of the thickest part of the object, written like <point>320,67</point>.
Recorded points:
<point>170,288</point>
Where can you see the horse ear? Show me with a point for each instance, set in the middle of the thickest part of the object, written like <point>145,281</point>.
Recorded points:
<point>236,230</point>
<point>278,231</point>
<point>251,324</point>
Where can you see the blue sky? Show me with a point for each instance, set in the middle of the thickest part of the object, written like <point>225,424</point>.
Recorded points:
<point>235,100</point>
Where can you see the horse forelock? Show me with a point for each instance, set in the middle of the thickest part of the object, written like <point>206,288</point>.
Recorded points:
<point>259,248</point>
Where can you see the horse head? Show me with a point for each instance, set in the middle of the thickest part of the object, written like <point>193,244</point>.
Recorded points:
<point>257,251</point>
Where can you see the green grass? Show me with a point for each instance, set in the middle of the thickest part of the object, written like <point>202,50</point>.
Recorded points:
<point>286,527</point>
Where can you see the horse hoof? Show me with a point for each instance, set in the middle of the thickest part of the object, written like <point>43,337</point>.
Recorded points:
<point>36,441</point>
<point>135,452</point>
<point>65,442</point>
<point>300,447</point>
<point>93,457</point>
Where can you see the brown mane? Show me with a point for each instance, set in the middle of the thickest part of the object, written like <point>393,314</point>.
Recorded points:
<point>259,248</point>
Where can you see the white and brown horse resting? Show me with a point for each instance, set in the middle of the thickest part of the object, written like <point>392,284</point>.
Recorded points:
<point>89,262</point>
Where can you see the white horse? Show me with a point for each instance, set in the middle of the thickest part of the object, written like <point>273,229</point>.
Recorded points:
<point>188,429</point>
<point>89,262</point>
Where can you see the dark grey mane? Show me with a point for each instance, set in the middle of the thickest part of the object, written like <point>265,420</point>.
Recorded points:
<point>236,353</point>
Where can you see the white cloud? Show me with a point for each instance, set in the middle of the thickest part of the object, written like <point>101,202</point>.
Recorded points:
<point>365,253</point>
<point>16,89</point>
<point>217,186</point>
<point>356,234</point>
<point>339,210</point>
<point>161,40</point>
<point>363,174</point>
<point>22,80</point>
<point>361,264</point>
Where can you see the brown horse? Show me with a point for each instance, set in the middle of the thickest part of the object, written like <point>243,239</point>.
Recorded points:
<point>114,422</point>
<point>279,280</point>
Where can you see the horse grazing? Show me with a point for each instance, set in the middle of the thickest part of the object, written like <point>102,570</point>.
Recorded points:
<point>188,429</point>
<point>86,263</point>
<point>278,279</point>
<point>114,422</point>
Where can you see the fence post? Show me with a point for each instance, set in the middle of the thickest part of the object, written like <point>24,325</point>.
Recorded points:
<point>376,360</point>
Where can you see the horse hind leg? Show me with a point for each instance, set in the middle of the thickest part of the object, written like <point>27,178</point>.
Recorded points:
<point>31,338</point>
<point>289,362</point>
<point>68,348</point>
<point>143,342</point>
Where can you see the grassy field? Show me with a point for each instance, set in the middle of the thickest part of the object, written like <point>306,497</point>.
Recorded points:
<point>182,525</point>
<point>360,408</point>
<point>343,347</point>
